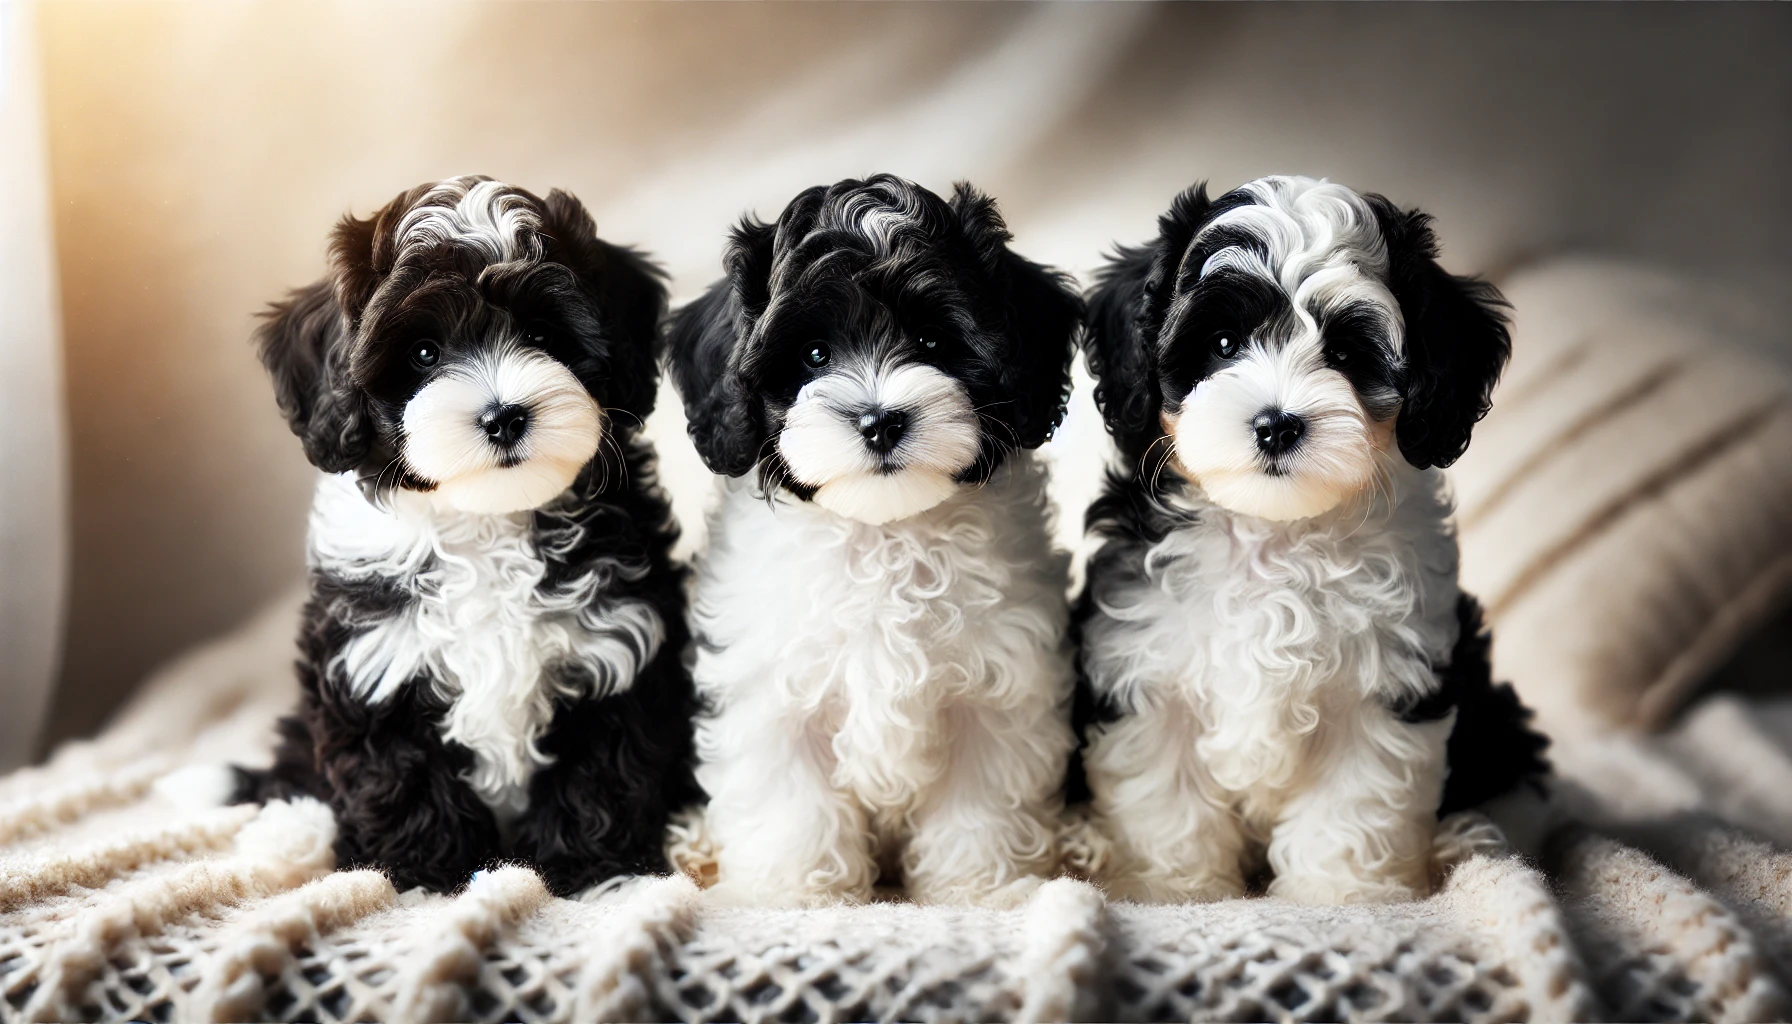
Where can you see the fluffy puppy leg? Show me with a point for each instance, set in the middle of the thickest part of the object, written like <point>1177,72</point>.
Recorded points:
<point>396,788</point>
<point>986,830</point>
<point>620,765</point>
<point>1175,838</point>
<point>1362,832</point>
<point>784,834</point>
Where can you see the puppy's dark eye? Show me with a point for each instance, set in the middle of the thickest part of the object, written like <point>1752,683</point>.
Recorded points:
<point>1225,346</point>
<point>817,356</point>
<point>929,343</point>
<point>1337,356</point>
<point>537,332</point>
<point>424,355</point>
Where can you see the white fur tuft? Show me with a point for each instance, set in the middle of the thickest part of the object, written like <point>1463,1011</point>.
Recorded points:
<point>198,785</point>
<point>301,831</point>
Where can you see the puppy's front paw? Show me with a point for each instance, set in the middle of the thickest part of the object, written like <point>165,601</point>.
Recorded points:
<point>1336,889</point>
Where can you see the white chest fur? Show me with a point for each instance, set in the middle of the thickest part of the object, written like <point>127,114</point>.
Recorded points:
<point>873,635</point>
<point>479,625</point>
<point>1276,636</point>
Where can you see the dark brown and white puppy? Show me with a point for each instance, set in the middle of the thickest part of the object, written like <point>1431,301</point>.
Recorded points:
<point>490,659</point>
<point>1276,657</point>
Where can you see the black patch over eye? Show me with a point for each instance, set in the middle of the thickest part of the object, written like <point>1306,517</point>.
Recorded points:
<point>817,355</point>
<point>425,354</point>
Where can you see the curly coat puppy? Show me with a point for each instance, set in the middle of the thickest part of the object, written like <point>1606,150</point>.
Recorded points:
<point>490,658</point>
<point>1276,656</point>
<point>881,618</point>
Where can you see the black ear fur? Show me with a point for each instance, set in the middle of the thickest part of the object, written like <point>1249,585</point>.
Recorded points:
<point>1457,341</point>
<point>301,344</point>
<point>1042,310</point>
<point>704,354</point>
<point>1126,311</point>
<point>631,298</point>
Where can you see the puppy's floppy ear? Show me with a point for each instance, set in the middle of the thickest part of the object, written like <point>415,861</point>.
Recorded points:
<point>705,353</point>
<point>1126,313</point>
<point>305,340</point>
<point>631,299</point>
<point>1456,341</point>
<point>303,344</point>
<point>1042,310</point>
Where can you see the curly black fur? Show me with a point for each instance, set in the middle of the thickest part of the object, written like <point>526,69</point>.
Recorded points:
<point>1002,325</point>
<point>1493,749</point>
<point>621,755</point>
<point>1456,338</point>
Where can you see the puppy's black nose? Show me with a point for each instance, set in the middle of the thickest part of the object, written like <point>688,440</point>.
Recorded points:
<point>1278,431</point>
<point>505,424</point>
<point>882,428</point>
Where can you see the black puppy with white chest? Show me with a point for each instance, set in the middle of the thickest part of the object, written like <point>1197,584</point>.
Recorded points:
<point>490,657</point>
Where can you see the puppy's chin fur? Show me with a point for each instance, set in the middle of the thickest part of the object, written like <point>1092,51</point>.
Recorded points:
<point>878,498</point>
<point>444,443</point>
<point>516,489</point>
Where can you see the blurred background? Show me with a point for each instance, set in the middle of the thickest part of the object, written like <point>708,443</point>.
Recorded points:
<point>172,167</point>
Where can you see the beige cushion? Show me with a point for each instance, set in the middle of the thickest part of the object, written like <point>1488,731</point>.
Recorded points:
<point>1626,509</point>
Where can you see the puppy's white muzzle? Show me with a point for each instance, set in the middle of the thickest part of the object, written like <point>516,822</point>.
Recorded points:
<point>504,432</point>
<point>836,439</point>
<point>1277,437</point>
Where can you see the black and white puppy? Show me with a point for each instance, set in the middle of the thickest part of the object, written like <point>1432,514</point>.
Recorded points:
<point>881,618</point>
<point>490,659</point>
<point>1279,658</point>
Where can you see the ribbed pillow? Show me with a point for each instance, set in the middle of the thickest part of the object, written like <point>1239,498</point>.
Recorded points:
<point>1626,509</point>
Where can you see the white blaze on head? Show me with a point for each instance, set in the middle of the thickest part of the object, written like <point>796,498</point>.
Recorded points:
<point>446,444</point>
<point>490,215</point>
<point>824,448</point>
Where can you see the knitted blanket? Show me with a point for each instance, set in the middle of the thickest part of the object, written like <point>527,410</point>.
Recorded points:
<point>1667,895</point>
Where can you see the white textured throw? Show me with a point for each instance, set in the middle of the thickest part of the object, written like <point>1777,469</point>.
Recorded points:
<point>114,903</point>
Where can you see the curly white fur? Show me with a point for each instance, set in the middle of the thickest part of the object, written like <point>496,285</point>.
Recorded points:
<point>883,695</point>
<point>1254,662</point>
<point>481,623</point>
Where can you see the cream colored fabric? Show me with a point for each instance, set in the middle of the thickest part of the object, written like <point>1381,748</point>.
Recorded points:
<point>1674,902</point>
<point>1626,509</point>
